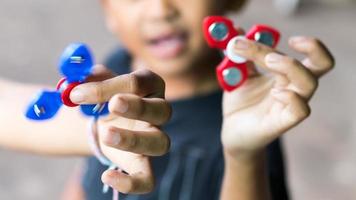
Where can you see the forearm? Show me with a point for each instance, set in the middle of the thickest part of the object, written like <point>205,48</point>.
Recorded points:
<point>245,178</point>
<point>64,135</point>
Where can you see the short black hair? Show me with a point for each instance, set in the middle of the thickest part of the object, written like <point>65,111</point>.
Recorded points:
<point>235,5</point>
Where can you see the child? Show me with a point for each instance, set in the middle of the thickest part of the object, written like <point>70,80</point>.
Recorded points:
<point>222,145</point>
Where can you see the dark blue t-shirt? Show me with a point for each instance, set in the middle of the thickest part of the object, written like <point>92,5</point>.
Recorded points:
<point>194,167</point>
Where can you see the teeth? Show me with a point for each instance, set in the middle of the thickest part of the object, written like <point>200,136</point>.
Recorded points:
<point>167,47</point>
<point>166,39</point>
<point>169,40</point>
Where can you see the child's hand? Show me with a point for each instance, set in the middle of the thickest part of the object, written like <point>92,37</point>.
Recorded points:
<point>130,133</point>
<point>268,105</point>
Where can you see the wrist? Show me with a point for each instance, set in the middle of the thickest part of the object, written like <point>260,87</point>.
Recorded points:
<point>96,145</point>
<point>244,157</point>
<point>245,177</point>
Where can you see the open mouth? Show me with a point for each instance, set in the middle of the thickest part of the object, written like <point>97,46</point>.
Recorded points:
<point>167,46</point>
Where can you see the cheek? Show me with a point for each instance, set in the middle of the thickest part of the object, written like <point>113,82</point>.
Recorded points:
<point>194,14</point>
<point>127,27</point>
<point>195,11</point>
<point>128,35</point>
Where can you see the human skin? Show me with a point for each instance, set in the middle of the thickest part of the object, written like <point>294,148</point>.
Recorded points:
<point>274,102</point>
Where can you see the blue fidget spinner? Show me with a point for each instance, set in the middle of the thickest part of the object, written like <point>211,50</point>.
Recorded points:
<point>75,65</point>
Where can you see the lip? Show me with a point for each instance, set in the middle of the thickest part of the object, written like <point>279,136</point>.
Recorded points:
<point>167,45</point>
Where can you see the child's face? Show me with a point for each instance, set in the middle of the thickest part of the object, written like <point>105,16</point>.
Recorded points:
<point>165,35</point>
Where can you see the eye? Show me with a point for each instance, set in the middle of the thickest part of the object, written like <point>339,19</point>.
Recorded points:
<point>219,31</point>
<point>265,38</point>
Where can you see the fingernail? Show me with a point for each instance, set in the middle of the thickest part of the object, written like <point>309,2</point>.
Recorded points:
<point>112,138</point>
<point>273,57</point>
<point>109,181</point>
<point>295,40</point>
<point>77,95</point>
<point>109,178</point>
<point>241,44</point>
<point>276,90</point>
<point>122,106</point>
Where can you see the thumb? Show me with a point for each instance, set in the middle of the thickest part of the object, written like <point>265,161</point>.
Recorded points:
<point>251,67</point>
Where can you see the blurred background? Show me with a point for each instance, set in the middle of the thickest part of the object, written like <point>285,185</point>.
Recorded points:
<point>321,153</point>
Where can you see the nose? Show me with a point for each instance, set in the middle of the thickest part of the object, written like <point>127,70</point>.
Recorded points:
<point>162,10</point>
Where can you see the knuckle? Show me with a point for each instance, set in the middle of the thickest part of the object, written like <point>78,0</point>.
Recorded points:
<point>167,112</point>
<point>255,50</point>
<point>132,142</point>
<point>292,96</point>
<point>110,129</point>
<point>330,63</point>
<point>140,108</point>
<point>145,72</point>
<point>133,186</point>
<point>145,82</point>
<point>301,111</point>
<point>145,184</point>
<point>160,82</point>
<point>298,114</point>
<point>128,140</point>
<point>134,83</point>
<point>129,187</point>
<point>315,42</point>
<point>163,144</point>
<point>318,45</point>
<point>114,102</point>
<point>99,92</point>
<point>313,84</point>
<point>116,98</point>
<point>308,83</point>
<point>166,144</point>
<point>291,61</point>
<point>305,112</point>
<point>150,185</point>
<point>293,99</point>
<point>141,186</point>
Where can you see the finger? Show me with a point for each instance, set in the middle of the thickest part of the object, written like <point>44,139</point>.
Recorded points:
<point>319,59</point>
<point>140,82</point>
<point>153,143</point>
<point>253,51</point>
<point>295,107</point>
<point>252,70</point>
<point>300,79</point>
<point>240,30</point>
<point>155,111</point>
<point>140,182</point>
<point>251,67</point>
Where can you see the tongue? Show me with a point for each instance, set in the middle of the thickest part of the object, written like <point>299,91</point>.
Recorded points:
<point>167,48</point>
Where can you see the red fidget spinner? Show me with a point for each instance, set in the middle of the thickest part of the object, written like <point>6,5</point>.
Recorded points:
<point>221,34</point>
